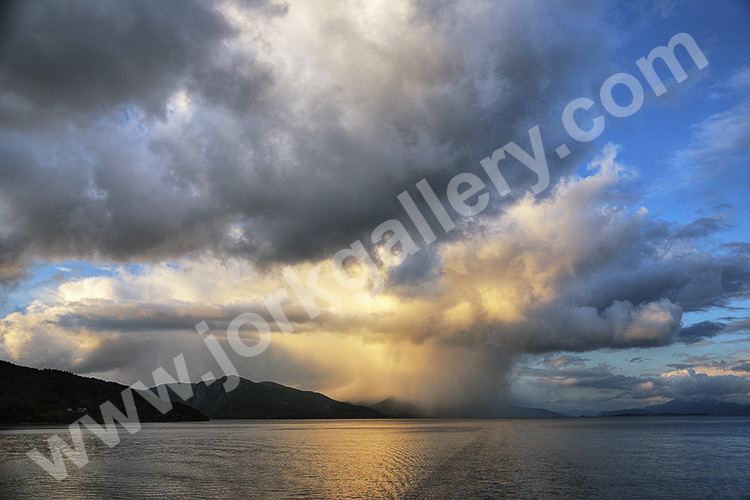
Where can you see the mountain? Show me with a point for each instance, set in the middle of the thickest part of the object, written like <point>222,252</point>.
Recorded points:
<point>703,406</point>
<point>395,408</point>
<point>630,412</point>
<point>523,412</point>
<point>492,410</point>
<point>33,396</point>
<point>251,400</point>
<point>258,400</point>
<point>700,406</point>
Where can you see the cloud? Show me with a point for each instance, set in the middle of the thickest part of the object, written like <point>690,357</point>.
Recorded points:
<point>87,57</point>
<point>564,361</point>
<point>260,130</point>
<point>720,141</point>
<point>571,272</point>
<point>575,272</point>
<point>215,143</point>
<point>34,338</point>
<point>699,331</point>
<point>612,390</point>
<point>704,227</point>
<point>12,261</point>
<point>689,383</point>
<point>738,325</point>
<point>707,363</point>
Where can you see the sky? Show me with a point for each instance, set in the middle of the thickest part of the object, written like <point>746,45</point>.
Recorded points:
<point>462,204</point>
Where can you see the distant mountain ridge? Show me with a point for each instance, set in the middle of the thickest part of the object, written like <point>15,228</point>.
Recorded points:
<point>501,411</point>
<point>48,396</point>
<point>395,408</point>
<point>703,406</point>
<point>259,400</point>
<point>524,412</point>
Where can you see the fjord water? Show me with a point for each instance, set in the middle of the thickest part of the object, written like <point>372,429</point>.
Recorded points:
<point>639,457</point>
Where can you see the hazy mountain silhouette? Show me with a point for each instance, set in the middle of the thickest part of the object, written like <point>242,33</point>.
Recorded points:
<point>489,409</point>
<point>396,408</point>
<point>250,400</point>
<point>271,400</point>
<point>33,396</point>
<point>511,411</point>
<point>701,406</point>
<point>36,396</point>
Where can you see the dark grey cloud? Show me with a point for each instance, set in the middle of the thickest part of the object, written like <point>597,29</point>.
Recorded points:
<point>699,332</point>
<point>272,162</point>
<point>81,83</point>
<point>418,275</point>
<point>580,329</point>
<point>140,316</point>
<point>697,280</point>
<point>87,56</point>
<point>12,264</point>
<point>596,377</point>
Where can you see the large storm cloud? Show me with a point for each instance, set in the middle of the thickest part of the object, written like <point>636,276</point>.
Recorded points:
<point>203,146</point>
<point>271,131</point>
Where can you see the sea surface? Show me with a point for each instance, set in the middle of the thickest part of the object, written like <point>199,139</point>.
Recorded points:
<point>596,458</point>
